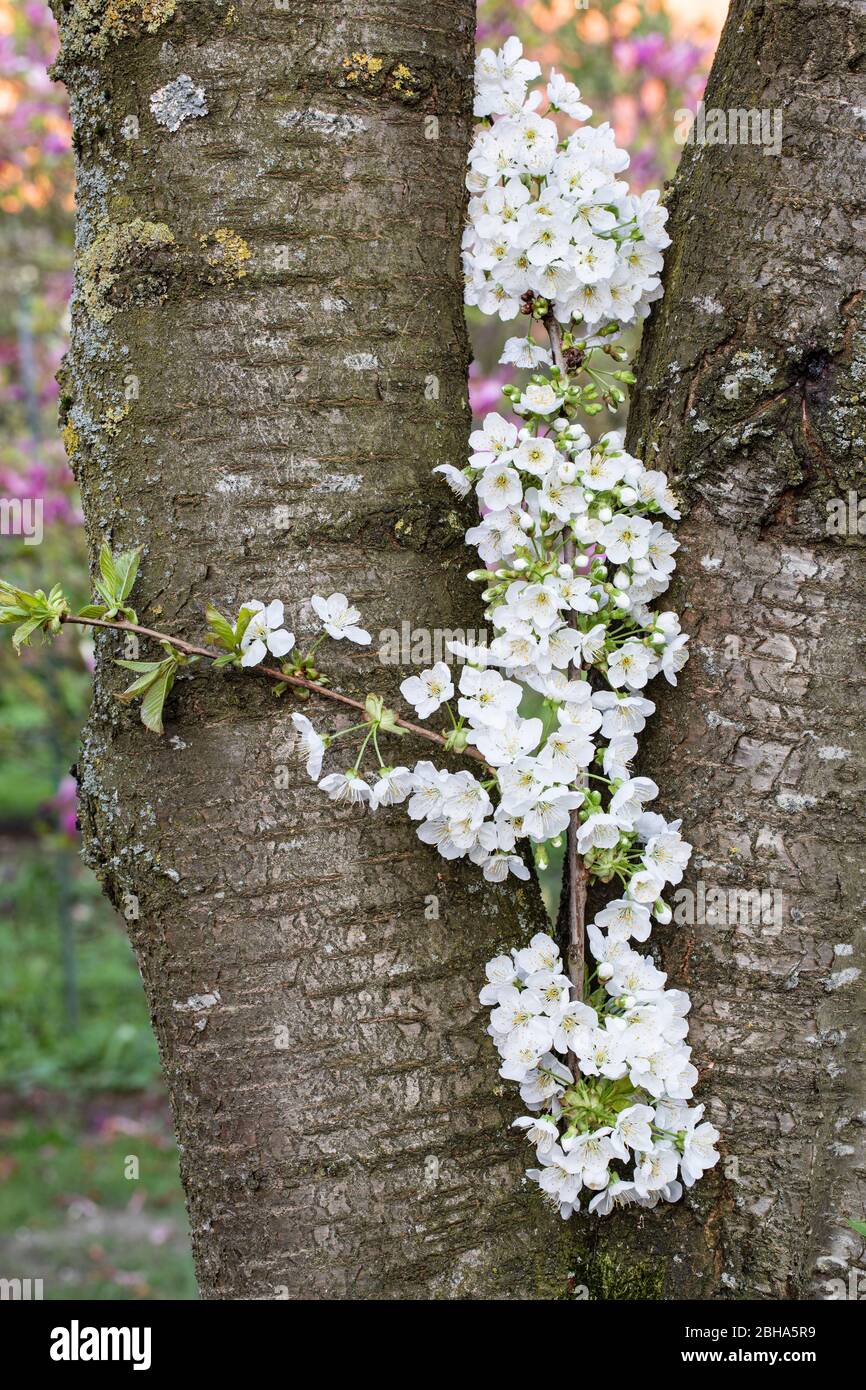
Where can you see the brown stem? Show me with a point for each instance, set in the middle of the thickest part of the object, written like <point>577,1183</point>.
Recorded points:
<point>269,671</point>
<point>554,333</point>
<point>576,872</point>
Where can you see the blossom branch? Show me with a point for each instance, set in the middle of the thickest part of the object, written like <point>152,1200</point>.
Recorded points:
<point>575,869</point>
<point>271,672</point>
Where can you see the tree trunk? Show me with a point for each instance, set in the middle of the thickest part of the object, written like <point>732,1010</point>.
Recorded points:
<point>268,358</point>
<point>753,396</point>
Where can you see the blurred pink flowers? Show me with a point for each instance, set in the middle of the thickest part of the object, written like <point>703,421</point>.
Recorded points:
<point>64,805</point>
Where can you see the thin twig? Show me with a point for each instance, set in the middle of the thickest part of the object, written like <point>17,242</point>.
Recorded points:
<point>269,671</point>
<point>576,872</point>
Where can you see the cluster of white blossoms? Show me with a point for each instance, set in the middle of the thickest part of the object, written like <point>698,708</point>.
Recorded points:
<point>575,550</point>
<point>612,1120</point>
<point>548,216</point>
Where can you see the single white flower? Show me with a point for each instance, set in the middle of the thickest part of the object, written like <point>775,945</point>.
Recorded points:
<point>628,800</point>
<point>617,1194</point>
<point>500,747</point>
<point>346,786</point>
<point>566,97</point>
<point>542,953</point>
<point>593,1151</point>
<point>626,538</point>
<point>310,745</point>
<point>393,786</point>
<point>666,855</point>
<point>539,399</point>
<point>455,478</point>
<point>496,867</point>
<point>576,1026</point>
<point>494,443</point>
<point>265,633</point>
<point>536,455</point>
<point>339,618</point>
<point>523,352</point>
<point>630,665</point>
<point>632,1131</point>
<point>549,813</point>
<point>699,1153</point>
<point>624,918</point>
<point>560,1176</point>
<point>599,831</point>
<point>487,700</point>
<point>429,786</point>
<point>645,886</point>
<point>499,488</point>
<point>655,1170</point>
<point>541,1130</point>
<point>427,691</point>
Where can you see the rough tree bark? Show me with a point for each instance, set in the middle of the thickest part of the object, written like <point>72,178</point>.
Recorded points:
<point>268,358</point>
<point>753,396</point>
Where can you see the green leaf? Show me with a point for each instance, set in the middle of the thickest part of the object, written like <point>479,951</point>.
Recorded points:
<point>126,566</point>
<point>144,682</point>
<point>117,574</point>
<point>39,610</point>
<point>220,629</point>
<point>17,603</point>
<point>92,610</point>
<point>106,592</point>
<point>152,704</point>
<point>21,636</point>
<point>859,1227</point>
<point>137,665</point>
<point>108,570</point>
<point>245,617</point>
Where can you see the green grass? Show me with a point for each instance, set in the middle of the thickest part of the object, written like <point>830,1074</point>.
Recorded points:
<point>90,1196</point>
<point>85,1028</point>
<point>72,1217</point>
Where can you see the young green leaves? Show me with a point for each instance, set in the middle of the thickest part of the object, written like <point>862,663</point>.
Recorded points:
<point>31,612</point>
<point>383,718</point>
<point>117,574</point>
<point>222,634</point>
<point>155,680</point>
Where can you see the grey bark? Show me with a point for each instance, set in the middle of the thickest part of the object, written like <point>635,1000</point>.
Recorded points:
<point>753,396</point>
<point>342,1127</point>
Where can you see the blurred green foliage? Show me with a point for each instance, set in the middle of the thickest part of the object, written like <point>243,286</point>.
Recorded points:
<point>112,1046</point>
<point>80,1093</point>
<point>94,1232</point>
